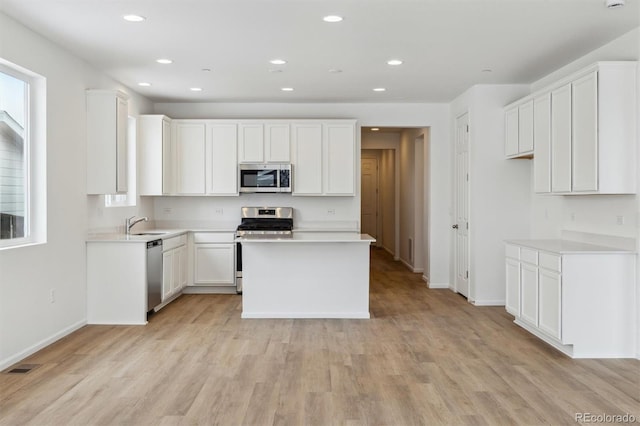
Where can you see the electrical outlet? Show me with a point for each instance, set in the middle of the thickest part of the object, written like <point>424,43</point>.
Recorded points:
<point>167,210</point>
<point>52,295</point>
<point>218,210</point>
<point>572,216</point>
<point>331,211</point>
<point>619,220</point>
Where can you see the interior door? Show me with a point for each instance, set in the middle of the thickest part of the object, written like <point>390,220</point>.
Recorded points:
<point>461,226</point>
<point>369,208</point>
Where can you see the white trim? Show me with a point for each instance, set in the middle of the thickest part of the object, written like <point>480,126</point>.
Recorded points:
<point>5,363</point>
<point>288,315</point>
<point>439,285</point>
<point>489,302</point>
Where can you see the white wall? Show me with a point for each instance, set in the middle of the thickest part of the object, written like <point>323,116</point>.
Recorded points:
<point>434,116</point>
<point>500,196</point>
<point>28,320</point>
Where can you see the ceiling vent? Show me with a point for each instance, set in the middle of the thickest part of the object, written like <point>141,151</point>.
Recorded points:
<point>612,4</point>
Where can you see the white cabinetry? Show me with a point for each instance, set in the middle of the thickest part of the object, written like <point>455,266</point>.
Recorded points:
<point>589,144</point>
<point>264,142</point>
<point>542,143</point>
<point>174,266</point>
<point>214,259</point>
<point>579,298</point>
<point>107,117</point>
<point>154,140</point>
<point>189,141</point>
<point>519,130</point>
<point>324,158</point>
<point>222,159</point>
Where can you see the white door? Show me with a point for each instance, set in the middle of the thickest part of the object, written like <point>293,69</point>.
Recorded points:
<point>369,208</point>
<point>462,206</point>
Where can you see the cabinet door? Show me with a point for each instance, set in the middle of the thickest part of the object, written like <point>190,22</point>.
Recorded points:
<point>529,293</point>
<point>513,287</point>
<point>542,143</point>
<point>585,133</point>
<point>561,139</point>
<point>154,133</point>
<point>122,119</point>
<point>190,158</point>
<point>525,127</point>
<point>550,303</point>
<point>307,159</point>
<point>511,131</point>
<point>183,276</point>
<point>176,263</point>
<point>277,144</point>
<point>339,154</point>
<point>251,143</point>
<point>167,274</point>
<point>214,264</point>
<point>222,160</point>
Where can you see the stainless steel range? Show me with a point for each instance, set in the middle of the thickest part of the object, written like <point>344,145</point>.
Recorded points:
<point>262,222</point>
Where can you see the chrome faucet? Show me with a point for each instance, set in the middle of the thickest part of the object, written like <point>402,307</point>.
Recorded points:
<point>132,221</point>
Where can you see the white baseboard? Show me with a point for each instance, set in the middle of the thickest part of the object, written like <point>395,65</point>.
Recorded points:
<point>488,302</point>
<point>7,362</point>
<point>411,268</point>
<point>439,285</point>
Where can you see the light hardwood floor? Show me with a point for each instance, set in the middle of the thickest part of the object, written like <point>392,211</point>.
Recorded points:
<point>426,357</point>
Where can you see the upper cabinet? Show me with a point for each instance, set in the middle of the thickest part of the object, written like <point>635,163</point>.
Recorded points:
<point>107,117</point>
<point>222,158</point>
<point>323,158</point>
<point>189,162</point>
<point>264,142</point>
<point>154,146</point>
<point>519,130</point>
<point>584,131</point>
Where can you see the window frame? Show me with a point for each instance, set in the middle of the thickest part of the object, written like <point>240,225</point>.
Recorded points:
<point>35,163</point>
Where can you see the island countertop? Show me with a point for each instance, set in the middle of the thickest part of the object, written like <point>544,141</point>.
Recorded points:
<point>311,237</point>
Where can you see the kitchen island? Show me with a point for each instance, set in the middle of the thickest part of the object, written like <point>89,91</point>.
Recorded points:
<point>308,275</point>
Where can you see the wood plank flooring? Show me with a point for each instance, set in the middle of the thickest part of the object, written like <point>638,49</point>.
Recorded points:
<point>426,357</point>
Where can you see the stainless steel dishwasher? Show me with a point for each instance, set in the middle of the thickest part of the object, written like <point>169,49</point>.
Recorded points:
<point>154,274</point>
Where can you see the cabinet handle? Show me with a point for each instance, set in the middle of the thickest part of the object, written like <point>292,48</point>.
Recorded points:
<point>455,226</point>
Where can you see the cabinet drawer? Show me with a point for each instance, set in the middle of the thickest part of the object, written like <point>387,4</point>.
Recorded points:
<point>550,261</point>
<point>214,237</point>
<point>173,242</point>
<point>529,256</point>
<point>512,251</point>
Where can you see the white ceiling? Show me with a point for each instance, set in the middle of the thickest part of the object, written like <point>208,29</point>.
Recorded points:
<point>444,44</point>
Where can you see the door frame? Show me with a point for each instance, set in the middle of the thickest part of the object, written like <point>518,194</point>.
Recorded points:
<point>376,156</point>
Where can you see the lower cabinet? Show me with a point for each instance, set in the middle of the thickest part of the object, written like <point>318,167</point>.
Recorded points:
<point>214,259</point>
<point>174,266</point>
<point>581,302</point>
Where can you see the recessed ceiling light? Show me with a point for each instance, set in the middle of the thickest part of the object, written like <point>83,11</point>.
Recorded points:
<point>144,84</point>
<point>374,129</point>
<point>332,18</point>
<point>164,61</point>
<point>287,89</point>
<point>196,89</point>
<point>394,62</point>
<point>133,18</point>
<point>278,61</point>
<point>335,70</point>
<point>379,89</point>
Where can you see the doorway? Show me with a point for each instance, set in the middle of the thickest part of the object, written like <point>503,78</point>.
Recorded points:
<point>461,227</point>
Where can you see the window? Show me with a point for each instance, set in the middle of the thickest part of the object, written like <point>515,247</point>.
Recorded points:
<point>22,157</point>
<point>128,199</point>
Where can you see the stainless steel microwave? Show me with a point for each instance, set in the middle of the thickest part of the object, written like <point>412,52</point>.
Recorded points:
<point>265,177</point>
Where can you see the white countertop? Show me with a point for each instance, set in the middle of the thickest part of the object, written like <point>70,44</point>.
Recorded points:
<point>136,237</point>
<point>568,247</point>
<point>313,237</point>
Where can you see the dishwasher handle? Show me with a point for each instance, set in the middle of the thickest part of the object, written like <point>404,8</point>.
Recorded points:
<point>154,243</point>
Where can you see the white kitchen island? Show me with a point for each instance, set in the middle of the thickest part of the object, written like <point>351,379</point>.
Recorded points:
<point>310,275</point>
